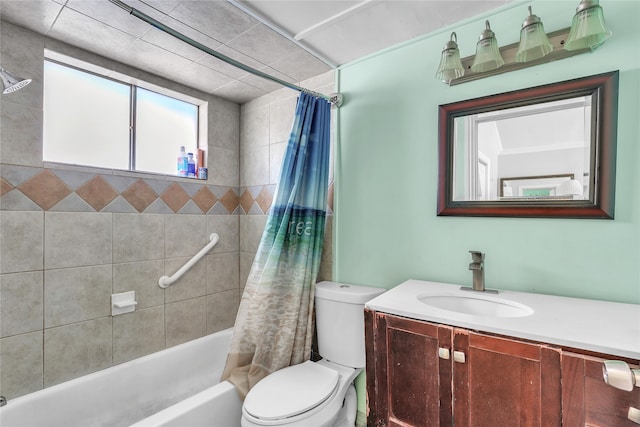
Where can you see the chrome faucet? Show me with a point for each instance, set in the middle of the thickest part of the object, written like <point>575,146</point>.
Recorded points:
<point>477,266</point>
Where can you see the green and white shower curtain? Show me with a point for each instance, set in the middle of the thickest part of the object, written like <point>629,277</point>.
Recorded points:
<point>274,326</point>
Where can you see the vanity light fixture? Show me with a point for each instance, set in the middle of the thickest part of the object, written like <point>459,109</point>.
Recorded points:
<point>535,47</point>
<point>487,53</point>
<point>570,187</point>
<point>588,29</point>
<point>534,42</point>
<point>450,66</point>
<point>12,83</point>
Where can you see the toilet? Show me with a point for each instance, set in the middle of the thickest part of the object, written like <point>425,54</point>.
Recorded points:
<point>318,394</point>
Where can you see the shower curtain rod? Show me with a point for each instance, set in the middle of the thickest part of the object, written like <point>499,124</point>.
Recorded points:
<point>335,99</point>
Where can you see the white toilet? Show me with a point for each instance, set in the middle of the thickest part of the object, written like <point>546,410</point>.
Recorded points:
<point>318,394</point>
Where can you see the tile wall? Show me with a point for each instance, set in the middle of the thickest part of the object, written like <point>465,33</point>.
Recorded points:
<point>71,236</point>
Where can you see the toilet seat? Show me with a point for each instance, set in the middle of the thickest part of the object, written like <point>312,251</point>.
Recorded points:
<point>291,393</point>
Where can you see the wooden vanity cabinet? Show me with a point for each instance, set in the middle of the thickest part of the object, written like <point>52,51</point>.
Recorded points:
<point>505,382</point>
<point>485,381</point>
<point>587,400</point>
<point>407,383</point>
<point>425,374</point>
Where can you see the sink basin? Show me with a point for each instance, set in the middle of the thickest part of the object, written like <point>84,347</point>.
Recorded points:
<point>477,305</point>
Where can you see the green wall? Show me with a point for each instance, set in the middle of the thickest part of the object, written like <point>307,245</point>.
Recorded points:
<point>386,228</point>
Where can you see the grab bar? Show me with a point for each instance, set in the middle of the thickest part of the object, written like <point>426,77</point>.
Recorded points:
<point>166,281</point>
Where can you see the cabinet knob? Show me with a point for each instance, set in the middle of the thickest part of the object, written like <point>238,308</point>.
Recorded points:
<point>634,414</point>
<point>443,353</point>
<point>459,356</point>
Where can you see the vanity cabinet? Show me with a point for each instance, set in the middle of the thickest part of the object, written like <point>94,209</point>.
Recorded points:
<point>426,374</point>
<point>435,365</point>
<point>587,400</point>
<point>505,382</point>
<point>404,387</point>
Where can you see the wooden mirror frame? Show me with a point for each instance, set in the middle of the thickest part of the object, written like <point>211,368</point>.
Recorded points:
<point>604,87</point>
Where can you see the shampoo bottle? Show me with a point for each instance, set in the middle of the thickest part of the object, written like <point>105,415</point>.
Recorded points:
<point>191,166</point>
<point>183,163</point>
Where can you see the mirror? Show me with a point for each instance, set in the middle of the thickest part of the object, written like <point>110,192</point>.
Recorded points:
<point>546,151</point>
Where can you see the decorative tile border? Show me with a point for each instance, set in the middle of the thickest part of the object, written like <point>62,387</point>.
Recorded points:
<point>24,188</point>
<point>28,188</point>
<point>257,200</point>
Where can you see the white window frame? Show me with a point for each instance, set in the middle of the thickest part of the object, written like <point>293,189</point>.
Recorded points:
<point>100,71</point>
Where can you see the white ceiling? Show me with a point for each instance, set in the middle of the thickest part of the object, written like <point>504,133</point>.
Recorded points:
<point>335,32</point>
<point>555,125</point>
<point>553,130</point>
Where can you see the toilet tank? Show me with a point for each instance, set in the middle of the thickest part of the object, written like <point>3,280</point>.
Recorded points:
<point>340,321</point>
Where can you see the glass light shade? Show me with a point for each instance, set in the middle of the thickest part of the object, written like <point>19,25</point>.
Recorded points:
<point>12,83</point>
<point>450,67</point>
<point>534,42</point>
<point>488,55</point>
<point>588,29</point>
<point>570,187</point>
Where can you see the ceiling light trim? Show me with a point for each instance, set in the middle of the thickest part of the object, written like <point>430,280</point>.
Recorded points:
<point>263,20</point>
<point>330,20</point>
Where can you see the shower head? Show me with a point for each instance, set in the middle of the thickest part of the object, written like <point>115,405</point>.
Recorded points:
<point>12,83</point>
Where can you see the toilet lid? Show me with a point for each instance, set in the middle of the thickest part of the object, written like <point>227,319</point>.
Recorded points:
<point>291,391</point>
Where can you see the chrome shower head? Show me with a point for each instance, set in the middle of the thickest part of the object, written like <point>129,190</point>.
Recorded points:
<point>12,83</point>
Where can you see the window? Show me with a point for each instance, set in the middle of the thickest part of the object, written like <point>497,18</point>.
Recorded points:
<point>163,124</point>
<point>97,121</point>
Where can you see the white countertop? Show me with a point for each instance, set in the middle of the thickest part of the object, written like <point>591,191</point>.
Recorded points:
<point>600,326</point>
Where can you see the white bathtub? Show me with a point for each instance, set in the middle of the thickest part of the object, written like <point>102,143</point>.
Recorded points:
<point>178,386</point>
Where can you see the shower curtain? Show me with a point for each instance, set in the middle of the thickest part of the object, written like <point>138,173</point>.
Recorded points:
<point>274,326</point>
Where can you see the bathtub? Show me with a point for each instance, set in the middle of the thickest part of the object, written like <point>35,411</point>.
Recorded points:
<point>178,386</point>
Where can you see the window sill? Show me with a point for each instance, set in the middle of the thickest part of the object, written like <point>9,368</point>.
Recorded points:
<point>119,172</point>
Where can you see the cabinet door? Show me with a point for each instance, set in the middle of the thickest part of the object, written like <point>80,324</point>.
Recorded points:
<point>505,382</point>
<point>408,383</point>
<point>587,400</point>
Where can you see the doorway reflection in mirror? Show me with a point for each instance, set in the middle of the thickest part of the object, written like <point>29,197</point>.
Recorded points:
<point>540,141</point>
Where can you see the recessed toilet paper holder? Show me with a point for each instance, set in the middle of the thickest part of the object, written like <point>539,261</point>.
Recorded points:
<point>124,302</point>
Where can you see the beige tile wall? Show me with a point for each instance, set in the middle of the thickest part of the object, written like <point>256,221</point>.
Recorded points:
<point>72,236</point>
